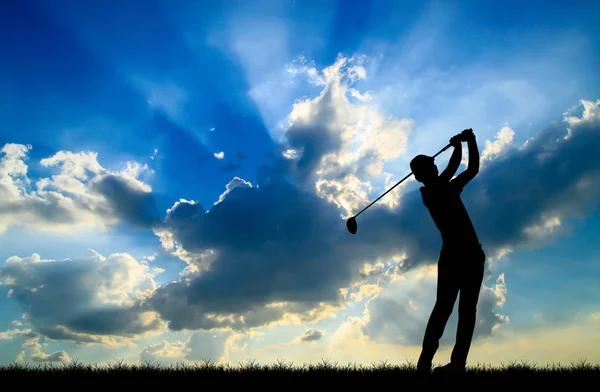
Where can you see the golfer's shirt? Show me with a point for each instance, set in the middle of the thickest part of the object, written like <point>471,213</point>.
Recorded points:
<point>449,214</point>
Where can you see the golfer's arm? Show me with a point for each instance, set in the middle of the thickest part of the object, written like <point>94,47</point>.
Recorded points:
<point>453,164</point>
<point>472,166</point>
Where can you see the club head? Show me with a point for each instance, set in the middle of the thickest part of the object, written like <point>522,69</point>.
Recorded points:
<point>351,225</point>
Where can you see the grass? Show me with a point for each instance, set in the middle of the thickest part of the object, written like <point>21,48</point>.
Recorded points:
<point>325,371</point>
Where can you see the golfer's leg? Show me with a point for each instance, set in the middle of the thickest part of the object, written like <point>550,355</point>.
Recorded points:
<point>467,308</point>
<point>447,290</point>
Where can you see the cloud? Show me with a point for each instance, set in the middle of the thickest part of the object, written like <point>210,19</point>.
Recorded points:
<point>127,202</point>
<point>207,345</point>
<point>164,352</point>
<point>238,344</point>
<point>237,182</point>
<point>502,142</point>
<point>201,346</point>
<point>544,183</point>
<point>336,142</point>
<point>31,347</point>
<point>312,335</point>
<point>57,356</point>
<point>399,312</point>
<point>268,243</point>
<point>89,299</point>
<point>219,155</point>
<point>81,193</point>
<point>27,334</point>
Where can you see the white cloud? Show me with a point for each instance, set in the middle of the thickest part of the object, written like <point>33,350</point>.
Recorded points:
<point>544,229</point>
<point>591,111</point>
<point>349,193</point>
<point>31,347</point>
<point>201,346</point>
<point>236,182</point>
<point>13,333</point>
<point>219,155</point>
<point>165,352</point>
<point>57,356</point>
<point>341,145</point>
<point>360,96</point>
<point>237,344</point>
<point>82,193</point>
<point>503,140</point>
<point>290,154</point>
<point>77,165</point>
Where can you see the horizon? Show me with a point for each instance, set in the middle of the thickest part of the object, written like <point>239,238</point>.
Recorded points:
<point>175,178</point>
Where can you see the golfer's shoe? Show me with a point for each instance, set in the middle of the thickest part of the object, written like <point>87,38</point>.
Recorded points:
<point>449,370</point>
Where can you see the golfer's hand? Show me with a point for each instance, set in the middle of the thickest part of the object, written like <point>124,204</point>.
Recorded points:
<point>467,135</point>
<point>456,140</point>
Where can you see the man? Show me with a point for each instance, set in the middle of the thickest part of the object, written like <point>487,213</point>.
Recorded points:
<point>461,261</point>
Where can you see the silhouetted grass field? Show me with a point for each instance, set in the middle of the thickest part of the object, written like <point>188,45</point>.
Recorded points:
<point>203,373</point>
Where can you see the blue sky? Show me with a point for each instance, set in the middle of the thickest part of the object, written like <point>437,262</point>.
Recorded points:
<point>185,169</point>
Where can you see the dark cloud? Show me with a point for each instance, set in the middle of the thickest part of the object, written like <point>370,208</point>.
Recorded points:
<point>127,203</point>
<point>549,176</point>
<point>82,299</point>
<point>122,321</point>
<point>312,335</point>
<point>61,332</point>
<point>271,241</point>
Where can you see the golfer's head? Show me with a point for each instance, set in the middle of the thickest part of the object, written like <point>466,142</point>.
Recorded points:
<point>424,168</point>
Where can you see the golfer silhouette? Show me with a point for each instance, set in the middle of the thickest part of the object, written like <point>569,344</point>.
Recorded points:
<point>461,260</point>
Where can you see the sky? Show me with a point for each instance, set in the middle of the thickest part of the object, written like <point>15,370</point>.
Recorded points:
<point>175,178</point>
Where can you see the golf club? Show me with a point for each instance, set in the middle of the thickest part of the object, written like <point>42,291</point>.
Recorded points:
<point>351,222</point>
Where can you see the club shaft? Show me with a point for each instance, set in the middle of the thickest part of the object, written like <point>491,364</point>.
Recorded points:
<point>399,182</point>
